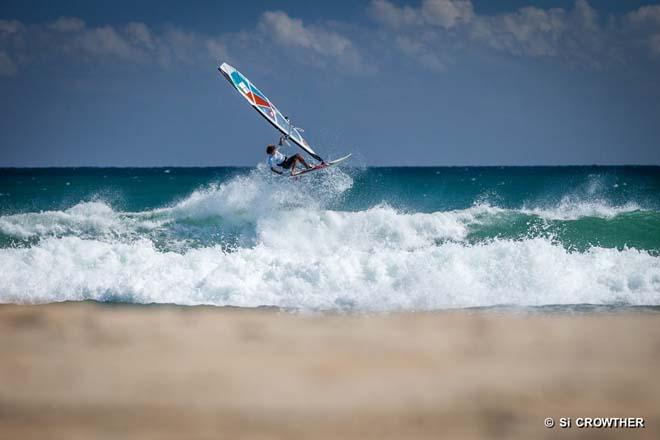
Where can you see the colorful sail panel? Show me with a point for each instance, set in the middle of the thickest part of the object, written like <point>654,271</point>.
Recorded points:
<point>265,108</point>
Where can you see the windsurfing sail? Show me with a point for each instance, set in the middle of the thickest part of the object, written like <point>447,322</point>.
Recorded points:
<point>265,107</point>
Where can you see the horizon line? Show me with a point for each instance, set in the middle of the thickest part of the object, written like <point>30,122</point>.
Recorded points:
<point>347,166</point>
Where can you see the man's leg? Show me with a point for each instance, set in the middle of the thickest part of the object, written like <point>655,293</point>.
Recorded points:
<point>293,164</point>
<point>302,161</point>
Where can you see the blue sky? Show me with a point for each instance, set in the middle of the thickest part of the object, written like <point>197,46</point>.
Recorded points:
<point>430,82</point>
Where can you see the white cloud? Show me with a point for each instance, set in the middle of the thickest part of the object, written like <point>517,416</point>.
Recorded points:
<point>654,44</point>
<point>318,43</point>
<point>140,34</point>
<point>644,15</point>
<point>530,31</point>
<point>434,33</point>
<point>69,39</point>
<point>8,27</point>
<point>105,41</point>
<point>216,49</point>
<point>421,52</point>
<point>394,16</point>
<point>442,13</point>
<point>447,13</point>
<point>419,32</point>
<point>67,24</point>
<point>573,35</point>
<point>292,32</point>
<point>7,66</point>
<point>181,46</point>
<point>644,25</point>
<point>586,15</point>
<point>570,34</point>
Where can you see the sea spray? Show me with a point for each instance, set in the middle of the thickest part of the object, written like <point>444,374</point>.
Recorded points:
<point>363,239</point>
<point>374,278</point>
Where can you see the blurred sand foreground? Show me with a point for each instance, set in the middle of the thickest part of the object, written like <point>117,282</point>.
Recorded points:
<point>83,371</point>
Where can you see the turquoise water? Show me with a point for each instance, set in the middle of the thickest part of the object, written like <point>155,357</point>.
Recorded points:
<point>358,239</point>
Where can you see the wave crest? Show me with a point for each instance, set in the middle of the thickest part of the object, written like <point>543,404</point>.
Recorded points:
<point>452,275</point>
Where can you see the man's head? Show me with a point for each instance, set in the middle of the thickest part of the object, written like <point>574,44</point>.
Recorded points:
<point>271,149</point>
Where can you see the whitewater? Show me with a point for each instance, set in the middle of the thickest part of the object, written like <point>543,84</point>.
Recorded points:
<point>357,240</point>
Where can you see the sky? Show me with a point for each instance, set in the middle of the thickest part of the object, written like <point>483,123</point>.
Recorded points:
<point>395,82</point>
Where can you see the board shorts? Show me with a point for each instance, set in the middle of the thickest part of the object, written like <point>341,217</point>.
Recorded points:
<point>286,163</point>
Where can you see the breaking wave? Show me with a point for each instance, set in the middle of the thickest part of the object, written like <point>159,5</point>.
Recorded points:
<point>255,240</point>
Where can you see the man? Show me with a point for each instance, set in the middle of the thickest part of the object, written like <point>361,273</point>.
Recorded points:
<point>278,160</point>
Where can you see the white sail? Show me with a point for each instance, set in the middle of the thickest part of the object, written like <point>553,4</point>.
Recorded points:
<point>265,107</point>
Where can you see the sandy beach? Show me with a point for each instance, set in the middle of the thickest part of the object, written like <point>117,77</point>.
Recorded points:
<point>85,370</point>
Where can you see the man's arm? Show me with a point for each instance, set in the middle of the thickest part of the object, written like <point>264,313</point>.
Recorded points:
<point>276,171</point>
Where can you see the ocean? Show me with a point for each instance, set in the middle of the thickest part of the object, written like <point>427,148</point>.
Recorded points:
<point>349,239</point>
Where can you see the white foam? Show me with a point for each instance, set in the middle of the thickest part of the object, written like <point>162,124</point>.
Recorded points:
<point>573,209</point>
<point>83,218</point>
<point>246,200</point>
<point>259,193</point>
<point>586,199</point>
<point>302,230</point>
<point>304,255</point>
<point>242,199</point>
<point>374,277</point>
